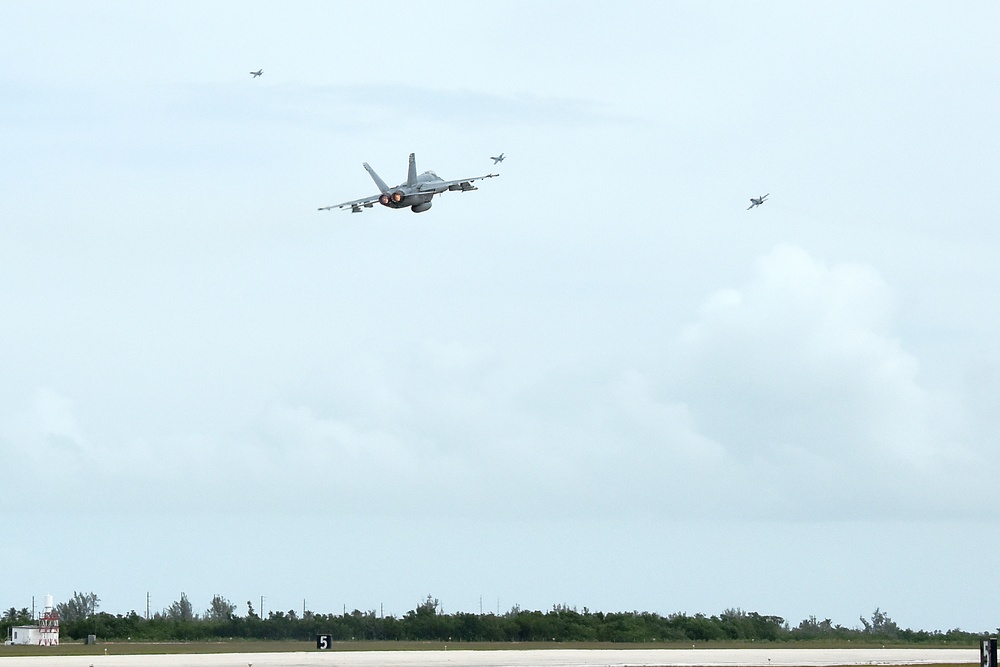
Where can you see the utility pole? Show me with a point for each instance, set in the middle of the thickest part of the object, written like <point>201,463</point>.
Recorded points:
<point>262,607</point>
<point>147,605</point>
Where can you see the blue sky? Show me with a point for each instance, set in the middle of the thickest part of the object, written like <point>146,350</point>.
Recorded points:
<point>597,381</point>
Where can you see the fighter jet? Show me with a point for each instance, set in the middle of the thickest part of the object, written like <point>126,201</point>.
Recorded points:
<point>257,73</point>
<point>416,192</point>
<point>756,201</point>
<point>499,158</point>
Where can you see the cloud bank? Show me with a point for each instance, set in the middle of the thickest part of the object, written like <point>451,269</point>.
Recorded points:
<point>786,397</point>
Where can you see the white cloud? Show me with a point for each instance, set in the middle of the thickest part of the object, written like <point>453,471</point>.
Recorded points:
<point>45,429</point>
<point>787,395</point>
<point>53,418</point>
<point>798,376</point>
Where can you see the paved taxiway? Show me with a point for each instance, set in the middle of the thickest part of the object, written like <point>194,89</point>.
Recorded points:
<point>778,657</point>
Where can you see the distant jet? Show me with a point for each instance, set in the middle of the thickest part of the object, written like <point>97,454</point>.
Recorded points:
<point>257,73</point>
<point>499,158</point>
<point>756,201</point>
<point>416,192</point>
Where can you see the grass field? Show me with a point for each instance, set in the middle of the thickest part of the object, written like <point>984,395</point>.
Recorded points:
<point>241,646</point>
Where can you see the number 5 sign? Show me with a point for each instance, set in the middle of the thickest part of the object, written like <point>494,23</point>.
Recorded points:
<point>988,652</point>
<point>324,642</point>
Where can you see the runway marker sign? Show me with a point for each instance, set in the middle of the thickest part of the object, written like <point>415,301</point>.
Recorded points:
<point>988,652</point>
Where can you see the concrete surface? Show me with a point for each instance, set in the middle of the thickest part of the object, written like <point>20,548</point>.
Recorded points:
<point>779,657</point>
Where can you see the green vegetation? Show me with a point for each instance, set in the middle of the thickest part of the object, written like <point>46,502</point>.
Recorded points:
<point>427,623</point>
<point>78,607</point>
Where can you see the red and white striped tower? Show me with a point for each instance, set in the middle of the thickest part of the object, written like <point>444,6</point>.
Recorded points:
<point>48,625</point>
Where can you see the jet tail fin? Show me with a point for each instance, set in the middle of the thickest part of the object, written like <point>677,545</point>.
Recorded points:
<point>411,174</point>
<point>383,188</point>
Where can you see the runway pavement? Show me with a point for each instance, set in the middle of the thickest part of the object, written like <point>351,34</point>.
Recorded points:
<point>762,657</point>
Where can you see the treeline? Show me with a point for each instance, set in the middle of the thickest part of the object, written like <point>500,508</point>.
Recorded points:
<point>428,623</point>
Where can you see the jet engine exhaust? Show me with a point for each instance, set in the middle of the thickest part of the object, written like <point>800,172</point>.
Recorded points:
<point>390,198</point>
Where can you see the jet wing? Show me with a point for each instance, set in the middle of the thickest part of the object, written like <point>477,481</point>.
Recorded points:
<point>461,185</point>
<point>355,205</point>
